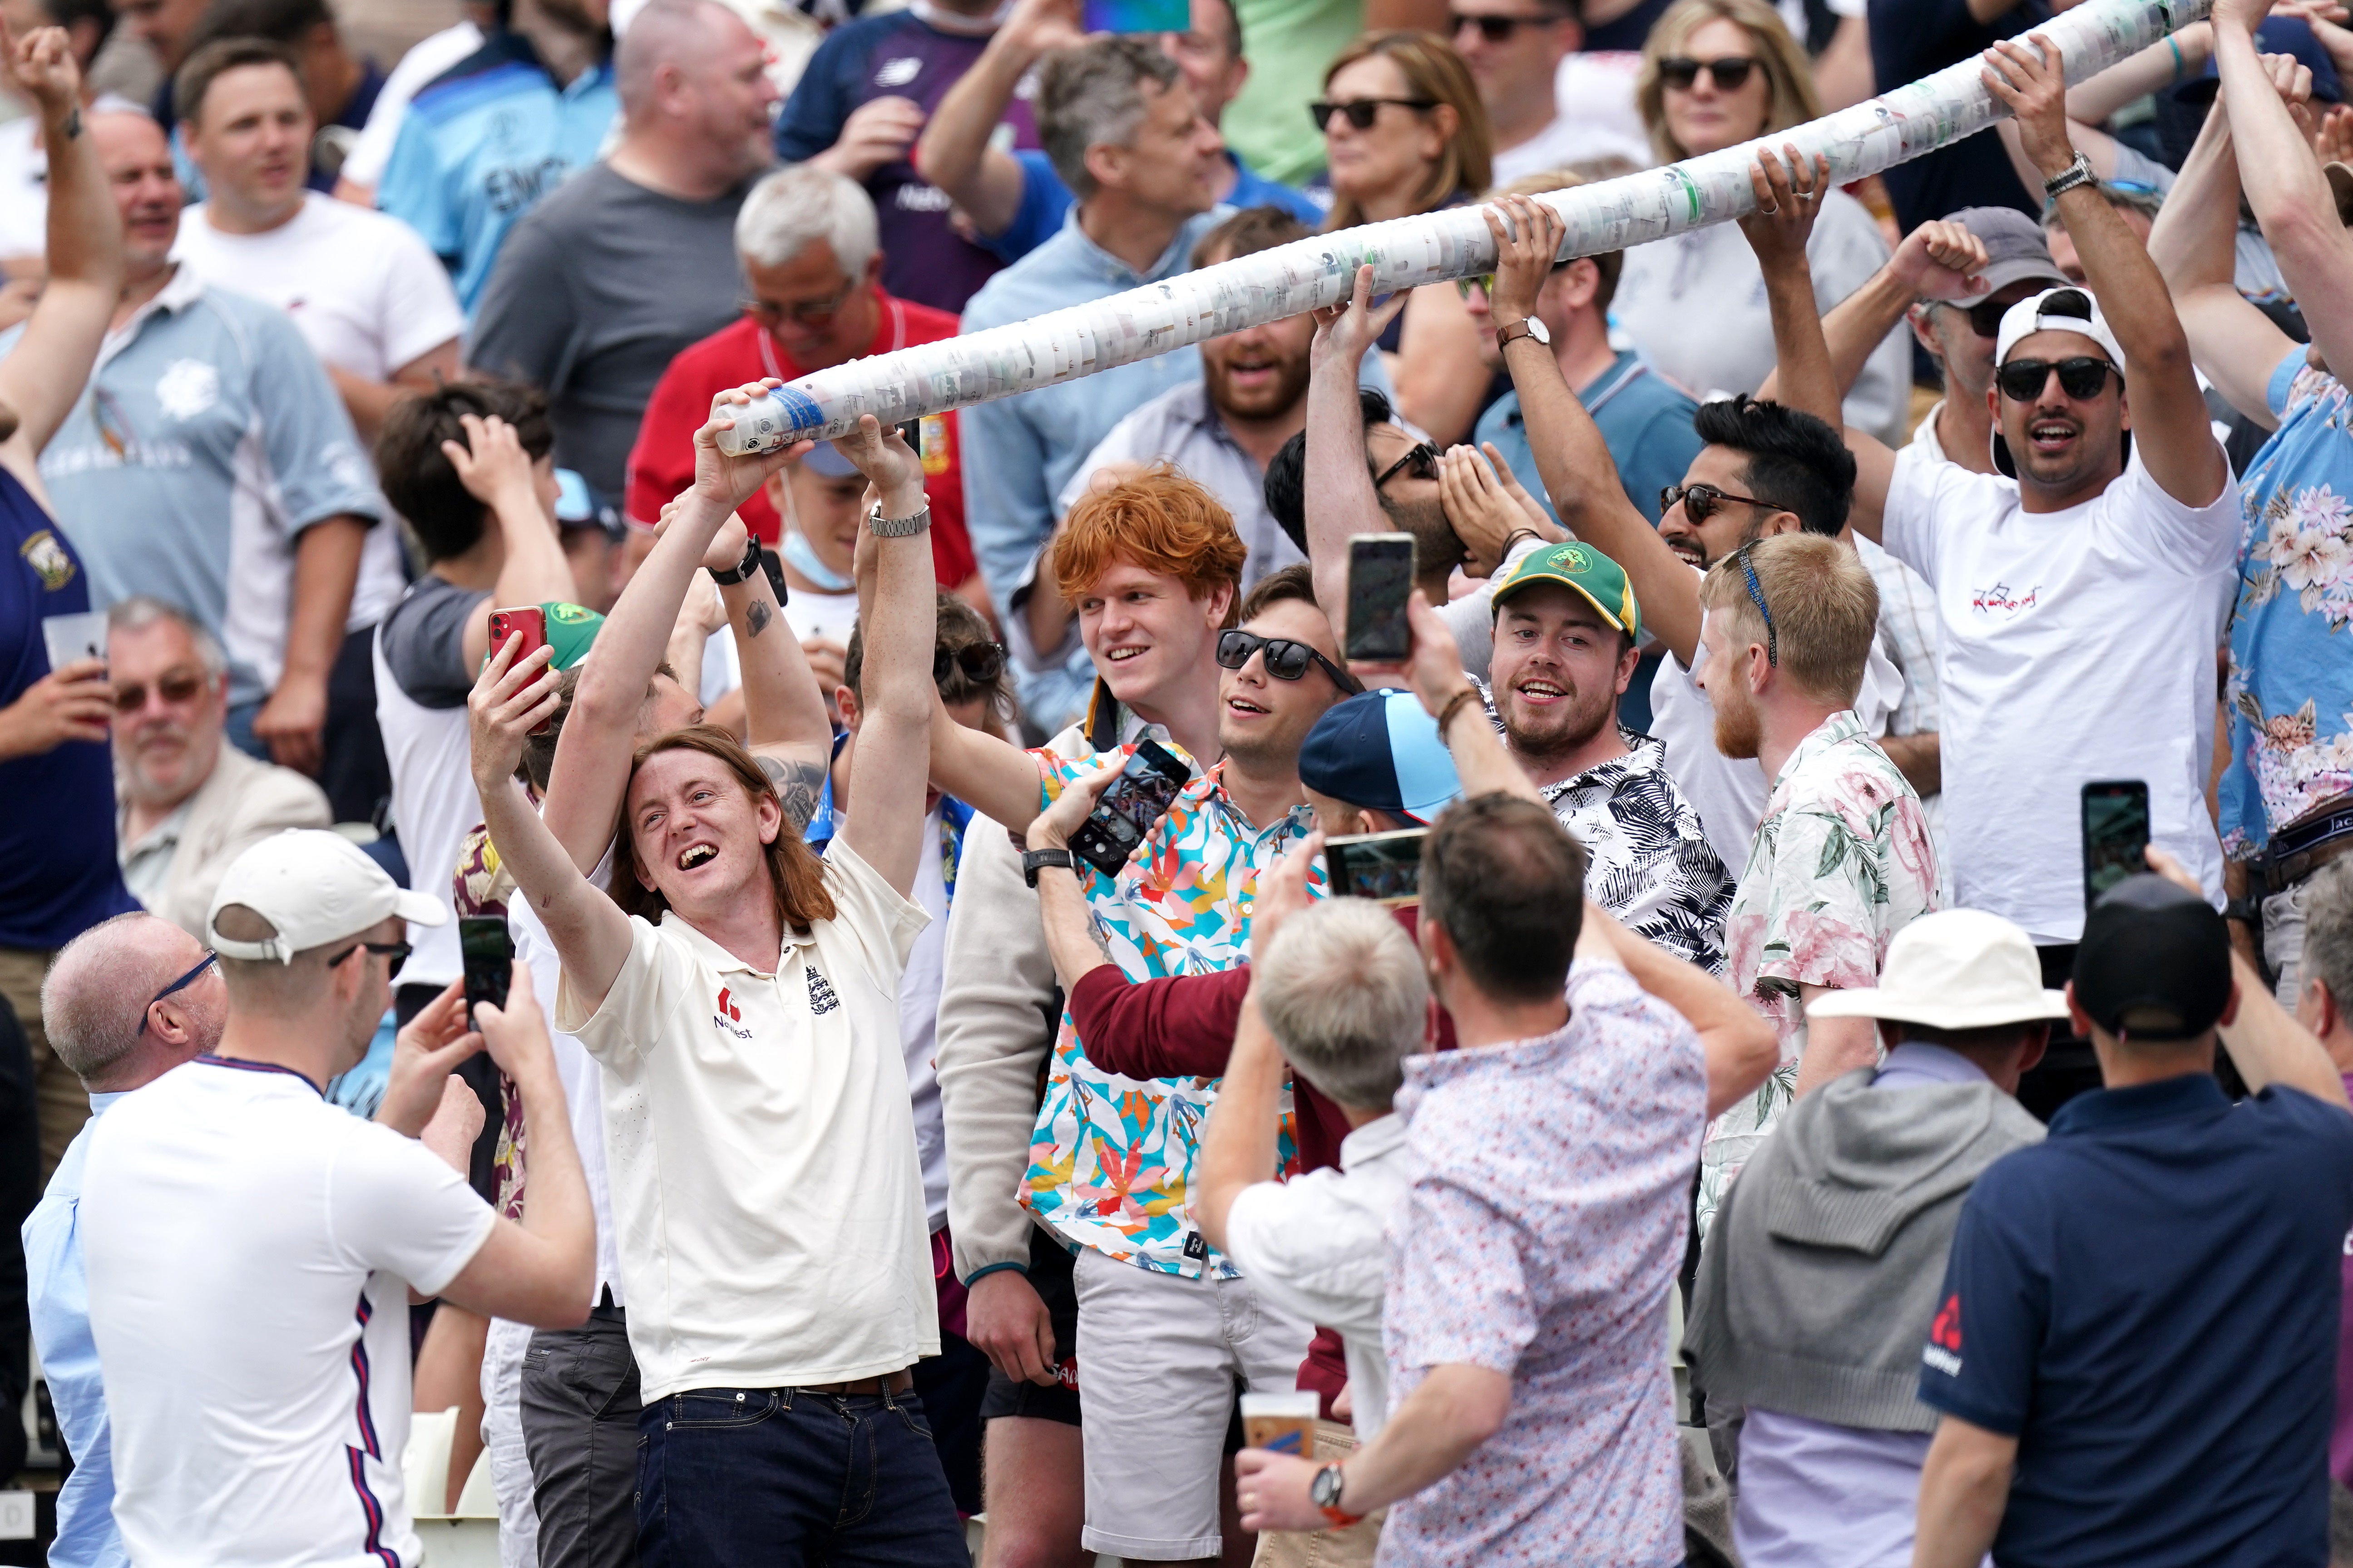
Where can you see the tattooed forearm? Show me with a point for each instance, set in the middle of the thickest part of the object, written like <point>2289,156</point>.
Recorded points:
<point>756,616</point>
<point>798,785</point>
<point>73,122</point>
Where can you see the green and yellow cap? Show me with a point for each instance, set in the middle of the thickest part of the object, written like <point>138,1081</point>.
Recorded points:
<point>571,628</point>
<point>1583,569</point>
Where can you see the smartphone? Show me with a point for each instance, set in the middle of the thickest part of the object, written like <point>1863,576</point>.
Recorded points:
<point>1383,867</point>
<point>1380,575</point>
<point>2116,835</point>
<point>1137,15</point>
<point>72,638</point>
<point>532,622</point>
<point>911,431</point>
<point>1147,787</point>
<point>489,954</point>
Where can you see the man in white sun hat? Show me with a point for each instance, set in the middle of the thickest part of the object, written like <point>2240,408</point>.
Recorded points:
<point>251,1249</point>
<point>1818,1281</point>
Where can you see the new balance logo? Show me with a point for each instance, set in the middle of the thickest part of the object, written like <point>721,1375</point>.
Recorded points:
<point>821,996</point>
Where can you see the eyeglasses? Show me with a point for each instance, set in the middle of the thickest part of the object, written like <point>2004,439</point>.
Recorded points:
<point>182,983</point>
<point>1484,282</point>
<point>979,663</point>
<point>2080,378</point>
<point>175,686</point>
<point>1285,659</point>
<point>1362,111</point>
<point>397,952</point>
<point>1729,72</point>
<point>807,313</point>
<point>1985,318</point>
<point>1703,501</point>
<point>1756,596</point>
<point>1421,456</point>
<point>1496,29</point>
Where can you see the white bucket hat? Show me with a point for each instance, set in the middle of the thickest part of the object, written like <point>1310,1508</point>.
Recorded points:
<point>1957,969</point>
<point>314,887</point>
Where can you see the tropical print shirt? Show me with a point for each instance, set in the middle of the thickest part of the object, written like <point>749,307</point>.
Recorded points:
<point>1111,1159</point>
<point>2290,696</point>
<point>1650,866</point>
<point>1841,861</point>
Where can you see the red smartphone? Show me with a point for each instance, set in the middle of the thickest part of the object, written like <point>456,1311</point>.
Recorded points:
<point>531,622</point>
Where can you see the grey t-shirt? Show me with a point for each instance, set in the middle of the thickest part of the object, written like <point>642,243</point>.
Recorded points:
<point>593,294</point>
<point>424,641</point>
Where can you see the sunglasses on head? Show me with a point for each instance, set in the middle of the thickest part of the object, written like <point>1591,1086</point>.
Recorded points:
<point>397,952</point>
<point>1362,111</point>
<point>2080,378</point>
<point>1285,659</point>
<point>182,983</point>
<point>1756,596</point>
<point>979,663</point>
<point>1703,501</point>
<point>175,688</point>
<point>1729,72</point>
<point>1496,29</point>
<point>1421,458</point>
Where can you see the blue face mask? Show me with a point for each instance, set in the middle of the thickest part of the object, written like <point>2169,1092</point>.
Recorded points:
<point>802,558</point>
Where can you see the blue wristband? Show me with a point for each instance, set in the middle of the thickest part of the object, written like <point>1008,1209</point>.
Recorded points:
<point>2180,66</point>
<point>986,1271</point>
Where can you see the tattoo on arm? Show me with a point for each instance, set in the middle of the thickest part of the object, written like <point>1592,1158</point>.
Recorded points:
<point>73,121</point>
<point>757,617</point>
<point>799,784</point>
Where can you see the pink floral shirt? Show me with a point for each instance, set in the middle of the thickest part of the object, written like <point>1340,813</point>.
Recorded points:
<point>1541,1235</point>
<point>1841,861</point>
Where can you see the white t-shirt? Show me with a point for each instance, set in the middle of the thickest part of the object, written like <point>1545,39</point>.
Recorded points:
<point>367,293</point>
<point>1312,1247</point>
<point>831,617</point>
<point>2078,645</point>
<point>761,1149</point>
<point>24,189</point>
<point>250,1249</point>
<point>427,58</point>
<point>919,1023</point>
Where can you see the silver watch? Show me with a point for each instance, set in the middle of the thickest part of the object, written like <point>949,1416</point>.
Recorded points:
<point>2079,173</point>
<point>897,527</point>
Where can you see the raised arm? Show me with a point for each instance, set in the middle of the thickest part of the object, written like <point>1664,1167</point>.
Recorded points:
<point>1571,457</point>
<point>495,469</point>
<point>41,378</point>
<point>1340,499</point>
<point>887,770</point>
<point>955,151</point>
<point>2169,412</point>
<point>1938,260</point>
<point>591,769</point>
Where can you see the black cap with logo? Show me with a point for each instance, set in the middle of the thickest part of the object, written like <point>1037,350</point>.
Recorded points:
<point>2156,955</point>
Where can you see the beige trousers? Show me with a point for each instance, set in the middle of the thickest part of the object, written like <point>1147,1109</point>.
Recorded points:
<point>1349,1548</point>
<point>64,1104</point>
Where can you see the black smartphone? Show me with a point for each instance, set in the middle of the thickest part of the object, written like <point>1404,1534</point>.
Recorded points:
<point>1380,576</point>
<point>1131,803</point>
<point>1383,867</point>
<point>2115,834</point>
<point>911,431</point>
<point>489,953</point>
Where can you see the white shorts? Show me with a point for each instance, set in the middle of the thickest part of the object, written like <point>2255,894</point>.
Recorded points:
<point>1154,1417</point>
<point>502,1435</point>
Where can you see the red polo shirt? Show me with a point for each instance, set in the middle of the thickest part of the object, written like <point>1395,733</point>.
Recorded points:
<point>663,462</point>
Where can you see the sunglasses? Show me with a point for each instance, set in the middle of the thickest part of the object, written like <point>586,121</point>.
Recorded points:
<point>1703,501</point>
<point>808,313</point>
<point>182,983</point>
<point>1285,659</point>
<point>1729,73</point>
<point>1756,596</point>
<point>2080,378</point>
<point>979,663</point>
<point>1362,111</point>
<point>1421,458</point>
<point>397,952</point>
<point>1496,29</point>
<point>1484,282</point>
<point>178,686</point>
<point>1985,319</point>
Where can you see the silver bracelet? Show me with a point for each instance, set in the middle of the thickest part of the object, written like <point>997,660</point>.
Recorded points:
<point>897,527</point>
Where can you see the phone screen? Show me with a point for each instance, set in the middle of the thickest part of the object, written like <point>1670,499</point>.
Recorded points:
<point>488,952</point>
<point>1147,787</point>
<point>1380,576</point>
<point>1383,867</point>
<point>2116,835</point>
<point>1136,15</point>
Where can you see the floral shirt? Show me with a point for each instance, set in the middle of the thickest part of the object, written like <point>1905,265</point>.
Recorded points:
<point>1650,865</point>
<point>482,887</point>
<point>1841,861</point>
<point>1540,1238</point>
<point>2290,697</point>
<point>1111,1157</point>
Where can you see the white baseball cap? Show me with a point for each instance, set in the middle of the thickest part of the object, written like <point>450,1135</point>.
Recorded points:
<point>314,886</point>
<point>1957,969</point>
<point>2068,310</point>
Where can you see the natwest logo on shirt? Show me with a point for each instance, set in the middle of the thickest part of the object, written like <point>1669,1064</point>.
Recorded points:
<point>728,1016</point>
<point>1943,1351</point>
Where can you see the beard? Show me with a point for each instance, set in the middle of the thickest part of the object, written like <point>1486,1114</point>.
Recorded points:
<point>1437,548</point>
<point>1267,401</point>
<point>1737,732</point>
<point>1562,731</point>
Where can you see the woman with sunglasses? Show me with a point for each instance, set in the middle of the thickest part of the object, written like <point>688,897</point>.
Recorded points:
<point>1717,73</point>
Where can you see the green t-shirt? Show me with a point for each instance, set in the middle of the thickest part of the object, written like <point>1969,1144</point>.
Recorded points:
<point>1290,43</point>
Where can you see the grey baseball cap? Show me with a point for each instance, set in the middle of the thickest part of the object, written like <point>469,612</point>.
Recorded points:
<point>2016,250</point>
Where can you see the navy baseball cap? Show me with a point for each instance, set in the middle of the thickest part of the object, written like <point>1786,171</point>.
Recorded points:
<point>2155,952</point>
<point>1381,750</point>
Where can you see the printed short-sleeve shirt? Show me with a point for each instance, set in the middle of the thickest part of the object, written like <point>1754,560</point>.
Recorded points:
<point>1111,1161</point>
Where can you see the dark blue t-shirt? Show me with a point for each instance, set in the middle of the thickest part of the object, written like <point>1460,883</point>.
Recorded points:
<point>2147,1301</point>
<point>898,55</point>
<point>57,871</point>
<point>1913,38</point>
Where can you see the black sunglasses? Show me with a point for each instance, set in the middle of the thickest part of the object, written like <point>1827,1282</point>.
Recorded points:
<point>397,952</point>
<point>182,983</point>
<point>979,663</point>
<point>1285,659</point>
<point>1495,29</point>
<point>1421,456</point>
<point>175,686</point>
<point>1756,594</point>
<point>1985,319</point>
<point>1703,501</point>
<point>1361,112</point>
<point>1729,72</point>
<point>2080,378</point>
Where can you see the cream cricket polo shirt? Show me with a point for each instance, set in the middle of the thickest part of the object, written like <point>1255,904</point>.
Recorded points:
<point>762,1150</point>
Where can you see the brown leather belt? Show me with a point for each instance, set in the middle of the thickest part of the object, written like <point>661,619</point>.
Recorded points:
<point>2281,874</point>
<point>879,1387</point>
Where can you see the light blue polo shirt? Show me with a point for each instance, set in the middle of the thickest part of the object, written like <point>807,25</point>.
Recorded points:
<point>208,438</point>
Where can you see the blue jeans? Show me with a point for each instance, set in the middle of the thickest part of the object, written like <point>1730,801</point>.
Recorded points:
<point>781,1476</point>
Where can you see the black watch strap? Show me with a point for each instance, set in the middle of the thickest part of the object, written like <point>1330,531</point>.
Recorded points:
<point>1035,860</point>
<point>743,568</point>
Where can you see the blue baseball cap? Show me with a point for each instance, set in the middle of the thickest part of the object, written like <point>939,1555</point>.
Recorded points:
<point>1381,750</point>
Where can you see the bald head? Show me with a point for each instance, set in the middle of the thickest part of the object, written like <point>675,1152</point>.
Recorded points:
<point>98,996</point>
<point>137,158</point>
<point>687,34</point>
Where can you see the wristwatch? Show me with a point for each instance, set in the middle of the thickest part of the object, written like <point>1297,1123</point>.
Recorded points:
<point>2078,173</point>
<point>1530,328</point>
<point>1035,860</point>
<point>743,568</point>
<point>1324,1492</point>
<point>898,526</point>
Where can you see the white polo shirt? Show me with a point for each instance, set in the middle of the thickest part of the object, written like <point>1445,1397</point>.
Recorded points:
<point>250,1250</point>
<point>762,1150</point>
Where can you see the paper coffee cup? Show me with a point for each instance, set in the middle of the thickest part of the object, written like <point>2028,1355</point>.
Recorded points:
<point>1282,1423</point>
